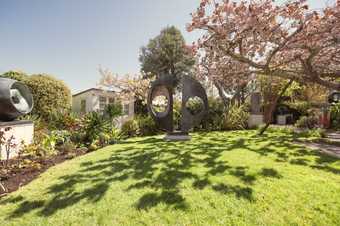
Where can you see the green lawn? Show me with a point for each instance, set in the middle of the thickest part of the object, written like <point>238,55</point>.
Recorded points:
<point>230,178</point>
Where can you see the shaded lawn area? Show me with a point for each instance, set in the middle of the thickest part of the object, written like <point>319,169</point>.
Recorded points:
<point>219,178</point>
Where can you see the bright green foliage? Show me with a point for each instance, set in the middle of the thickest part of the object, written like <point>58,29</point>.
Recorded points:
<point>112,111</point>
<point>146,126</point>
<point>214,119</point>
<point>302,107</point>
<point>307,122</point>
<point>94,126</point>
<point>140,126</point>
<point>335,115</point>
<point>49,94</point>
<point>129,128</point>
<point>236,118</point>
<point>219,178</point>
<point>166,54</point>
<point>65,120</point>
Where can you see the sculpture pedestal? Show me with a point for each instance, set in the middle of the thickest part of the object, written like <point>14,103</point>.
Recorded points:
<point>255,120</point>
<point>22,131</point>
<point>177,136</point>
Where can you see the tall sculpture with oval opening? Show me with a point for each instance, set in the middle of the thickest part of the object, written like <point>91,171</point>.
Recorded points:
<point>194,104</point>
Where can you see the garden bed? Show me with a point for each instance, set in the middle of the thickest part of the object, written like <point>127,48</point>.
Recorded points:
<point>16,175</point>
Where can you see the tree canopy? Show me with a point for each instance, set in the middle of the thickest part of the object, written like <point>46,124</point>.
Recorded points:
<point>166,54</point>
<point>262,37</point>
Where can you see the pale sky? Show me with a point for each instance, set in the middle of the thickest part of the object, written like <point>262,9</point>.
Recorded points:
<point>71,38</point>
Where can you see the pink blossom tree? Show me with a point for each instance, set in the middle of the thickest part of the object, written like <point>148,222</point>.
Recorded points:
<point>286,41</point>
<point>261,37</point>
<point>127,86</point>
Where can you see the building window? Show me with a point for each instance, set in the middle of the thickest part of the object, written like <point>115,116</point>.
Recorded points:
<point>126,109</point>
<point>83,106</point>
<point>102,103</point>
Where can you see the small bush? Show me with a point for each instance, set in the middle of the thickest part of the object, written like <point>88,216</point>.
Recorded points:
<point>67,148</point>
<point>114,110</point>
<point>62,120</point>
<point>94,125</point>
<point>311,133</point>
<point>214,118</point>
<point>335,115</point>
<point>78,137</point>
<point>130,128</point>
<point>236,118</point>
<point>146,126</point>
<point>115,136</point>
<point>302,107</point>
<point>307,122</point>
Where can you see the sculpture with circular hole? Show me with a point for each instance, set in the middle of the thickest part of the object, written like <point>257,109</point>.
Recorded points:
<point>160,102</point>
<point>15,99</point>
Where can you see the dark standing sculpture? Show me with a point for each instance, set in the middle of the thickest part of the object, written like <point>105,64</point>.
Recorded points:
<point>15,99</point>
<point>334,97</point>
<point>192,94</point>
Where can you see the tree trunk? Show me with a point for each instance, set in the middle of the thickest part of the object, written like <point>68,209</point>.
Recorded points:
<point>273,106</point>
<point>3,187</point>
<point>220,90</point>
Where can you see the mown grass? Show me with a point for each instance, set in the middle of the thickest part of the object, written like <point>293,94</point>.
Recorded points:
<point>219,178</point>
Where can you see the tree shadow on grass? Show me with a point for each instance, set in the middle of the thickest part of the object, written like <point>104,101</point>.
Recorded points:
<point>162,167</point>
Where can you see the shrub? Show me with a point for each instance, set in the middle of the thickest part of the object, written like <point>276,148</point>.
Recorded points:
<point>113,110</point>
<point>146,126</point>
<point>48,144</point>
<point>236,118</point>
<point>67,148</point>
<point>214,118</point>
<point>335,115</point>
<point>115,136</point>
<point>78,138</point>
<point>303,107</point>
<point>129,128</point>
<point>65,120</point>
<point>103,139</point>
<point>307,122</point>
<point>62,136</point>
<point>49,95</point>
<point>311,133</point>
<point>94,125</point>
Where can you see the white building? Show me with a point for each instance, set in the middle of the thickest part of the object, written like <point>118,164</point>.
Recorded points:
<point>96,99</point>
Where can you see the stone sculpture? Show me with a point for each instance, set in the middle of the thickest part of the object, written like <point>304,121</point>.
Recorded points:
<point>162,113</point>
<point>15,99</point>
<point>334,97</point>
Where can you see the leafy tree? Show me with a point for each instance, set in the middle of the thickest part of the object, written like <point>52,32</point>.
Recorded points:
<point>166,54</point>
<point>114,110</point>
